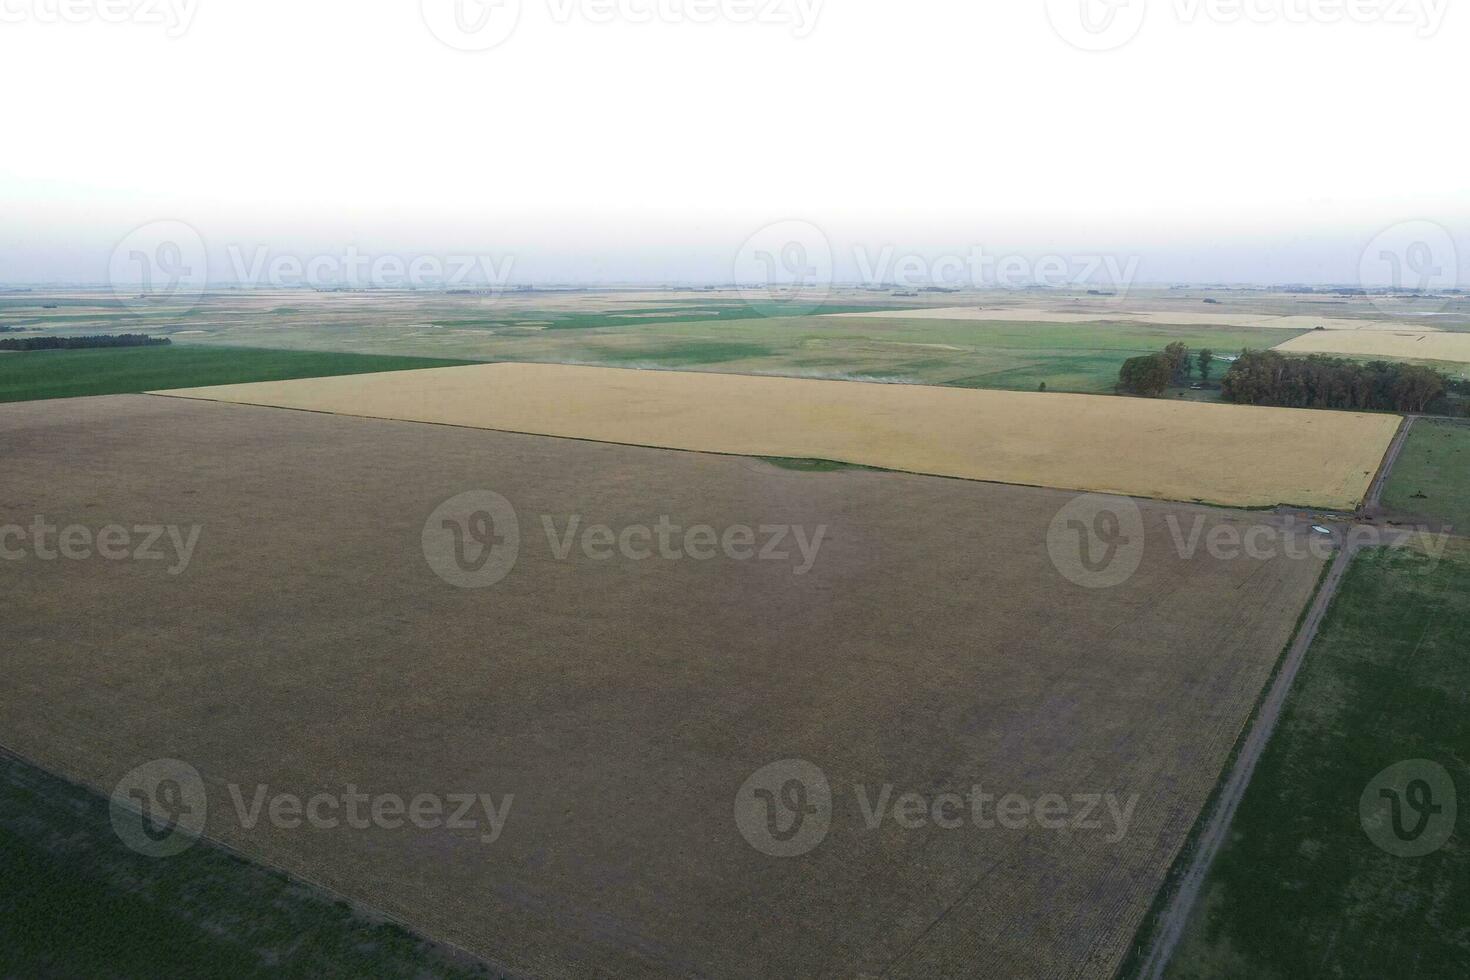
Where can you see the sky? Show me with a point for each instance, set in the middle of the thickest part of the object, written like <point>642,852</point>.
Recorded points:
<point>663,141</point>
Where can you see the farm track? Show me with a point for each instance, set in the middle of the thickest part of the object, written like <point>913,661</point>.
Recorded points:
<point>1374,498</point>
<point>1176,916</point>
<point>1173,921</point>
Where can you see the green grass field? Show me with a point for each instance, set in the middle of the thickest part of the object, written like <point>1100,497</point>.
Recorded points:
<point>674,329</point>
<point>75,902</point>
<point>71,373</point>
<point>812,465</point>
<point>1300,890</point>
<point>708,311</point>
<point>1432,476</point>
<point>1014,356</point>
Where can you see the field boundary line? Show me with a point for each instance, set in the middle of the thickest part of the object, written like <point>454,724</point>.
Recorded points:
<point>1172,921</point>
<point>1374,497</point>
<point>869,467</point>
<point>358,907</point>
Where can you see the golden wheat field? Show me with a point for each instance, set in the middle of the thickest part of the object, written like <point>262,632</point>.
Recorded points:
<point>1224,454</point>
<point>1416,345</point>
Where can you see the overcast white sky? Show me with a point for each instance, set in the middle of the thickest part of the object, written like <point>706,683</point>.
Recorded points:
<point>608,148</point>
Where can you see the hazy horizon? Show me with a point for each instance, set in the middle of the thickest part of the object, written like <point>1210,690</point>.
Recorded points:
<point>1274,146</point>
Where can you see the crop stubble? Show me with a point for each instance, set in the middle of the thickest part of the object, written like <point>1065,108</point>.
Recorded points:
<point>932,646</point>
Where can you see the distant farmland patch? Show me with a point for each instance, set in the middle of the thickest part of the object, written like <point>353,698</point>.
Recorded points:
<point>1453,348</point>
<point>679,355</point>
<point>601,319</point>
<point>34,375</point>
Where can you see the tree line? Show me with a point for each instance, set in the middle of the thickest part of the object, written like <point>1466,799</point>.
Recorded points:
<point>76,343</point>
<point>1151,374</point>
<point>1269,377</point>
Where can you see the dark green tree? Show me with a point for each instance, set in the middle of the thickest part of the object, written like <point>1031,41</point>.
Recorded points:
<point>1178,356</point>
<point>1318,381</point>
<point>1206,360</point>
<point>1147,375</point>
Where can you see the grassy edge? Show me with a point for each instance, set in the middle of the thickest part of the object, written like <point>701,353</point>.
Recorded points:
<point>1144,937</point>
<point>803,465</point>
<point>430,362</point>
<point>362,914</point>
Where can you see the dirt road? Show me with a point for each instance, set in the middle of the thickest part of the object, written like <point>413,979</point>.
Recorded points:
<point>1372,501</point>
<point>1175,918</point>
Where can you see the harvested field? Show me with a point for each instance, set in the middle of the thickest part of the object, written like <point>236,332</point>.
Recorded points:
<point>620,704</point>
<point>1139,447</point>
<point>1406,344</point>
<point>1106,314</point>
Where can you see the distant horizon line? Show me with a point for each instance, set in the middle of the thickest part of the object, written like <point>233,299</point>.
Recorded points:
<point>587,285</point>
